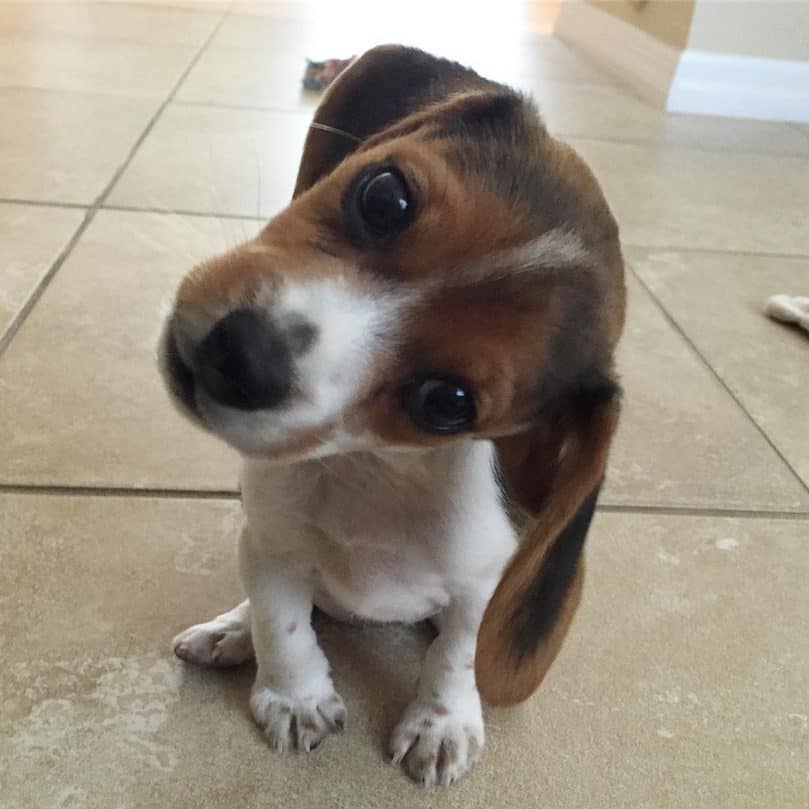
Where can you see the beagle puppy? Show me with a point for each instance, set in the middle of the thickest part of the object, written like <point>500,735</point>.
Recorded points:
<point>415,352</point>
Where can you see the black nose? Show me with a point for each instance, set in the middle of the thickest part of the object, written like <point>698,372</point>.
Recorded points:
<point>245,362</point>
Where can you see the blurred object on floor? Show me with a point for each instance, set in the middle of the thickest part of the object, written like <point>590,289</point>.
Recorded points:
<point>790,309</point>
<point>319,75</point>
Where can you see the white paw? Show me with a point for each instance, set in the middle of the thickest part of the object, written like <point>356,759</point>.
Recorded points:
<point>436,743</point>
<point>296,723</point>
<point>220,642</point>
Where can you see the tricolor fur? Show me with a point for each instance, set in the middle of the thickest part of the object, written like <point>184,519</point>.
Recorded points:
<point>505,275</point>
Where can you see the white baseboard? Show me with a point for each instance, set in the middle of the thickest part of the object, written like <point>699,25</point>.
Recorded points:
<point>687,81</point>
<point>643,62</point>
<point>740,87</point>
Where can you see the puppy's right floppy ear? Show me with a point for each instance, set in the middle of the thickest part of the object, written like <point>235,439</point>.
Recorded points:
<point>554,473</point>
<point>380,88</point>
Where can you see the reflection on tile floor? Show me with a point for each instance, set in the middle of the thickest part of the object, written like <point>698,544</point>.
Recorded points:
<point>65,147</point>
<point>103,65</point>
<point>685,678</point>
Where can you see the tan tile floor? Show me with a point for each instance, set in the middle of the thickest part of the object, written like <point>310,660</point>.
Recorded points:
<point>138,137</point>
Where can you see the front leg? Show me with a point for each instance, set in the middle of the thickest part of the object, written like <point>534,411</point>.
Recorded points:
<point>293,698</point>
<point>441,733</point>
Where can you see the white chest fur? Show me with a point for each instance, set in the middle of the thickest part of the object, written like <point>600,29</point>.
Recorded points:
<point>386,536</point>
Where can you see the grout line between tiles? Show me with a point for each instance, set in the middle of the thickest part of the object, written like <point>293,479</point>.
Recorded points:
<point>181,212</point>
<point>76,91</point>
<point>179,6</point>
<point>220,215</point>
<point>680,248</point>
<point>156,117</point>
<point>11,330</point>
<point>119,491</point>
<point>221,105</point>
<point>707,511</point>
<point>691,249</point>
<point>43,203</point>
<point>15,325</point>
<point>693,346</point>
<point>662,144</point>
<point>230,494</point>
<point>129,208</point>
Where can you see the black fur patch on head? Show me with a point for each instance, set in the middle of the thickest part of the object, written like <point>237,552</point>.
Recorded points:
<point>494,113</point>
<point>541,606</point>
<point>397,81</point>
<point>383,86</point>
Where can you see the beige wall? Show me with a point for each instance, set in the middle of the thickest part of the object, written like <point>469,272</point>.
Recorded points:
<point>772,29</point>
<point>666,20</point>
<point>769,29</point>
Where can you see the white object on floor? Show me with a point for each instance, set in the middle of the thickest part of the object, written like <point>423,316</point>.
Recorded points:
<point>789,309</point>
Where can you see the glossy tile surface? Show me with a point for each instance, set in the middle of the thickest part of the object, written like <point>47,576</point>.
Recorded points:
<point>182,24</point>
<point>99,65</point>
<point>227,76</point>
<point>65,147</point>
<point>729,201</point>
<point>683,682</point>
<point>693,693</point>
<point>613,113</point>
<point>719,299</point>
<point>682,439</point>
<point>82,401</point>
<point>31,239</point>
<point>216,160</point>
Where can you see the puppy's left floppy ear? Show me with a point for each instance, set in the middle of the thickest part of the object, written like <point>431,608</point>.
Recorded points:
<point>554,473</point>
<point>376,91</point>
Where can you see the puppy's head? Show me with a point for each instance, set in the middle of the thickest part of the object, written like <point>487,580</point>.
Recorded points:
<point>446,269</point>
<point>449,275</point>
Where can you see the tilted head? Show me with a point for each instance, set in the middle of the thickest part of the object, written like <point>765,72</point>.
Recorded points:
<point>446,269</point>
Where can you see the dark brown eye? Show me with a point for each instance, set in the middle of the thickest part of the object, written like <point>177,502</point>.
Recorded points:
<point>385,204</point>
<point>379,205</point>
<point>439,405</point>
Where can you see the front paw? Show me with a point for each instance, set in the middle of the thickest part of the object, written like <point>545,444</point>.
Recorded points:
<point>220,642</point>
<point>296,723</point>
<point>437,743</point>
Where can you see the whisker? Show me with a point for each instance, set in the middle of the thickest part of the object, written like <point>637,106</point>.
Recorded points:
<point>258,177</point>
